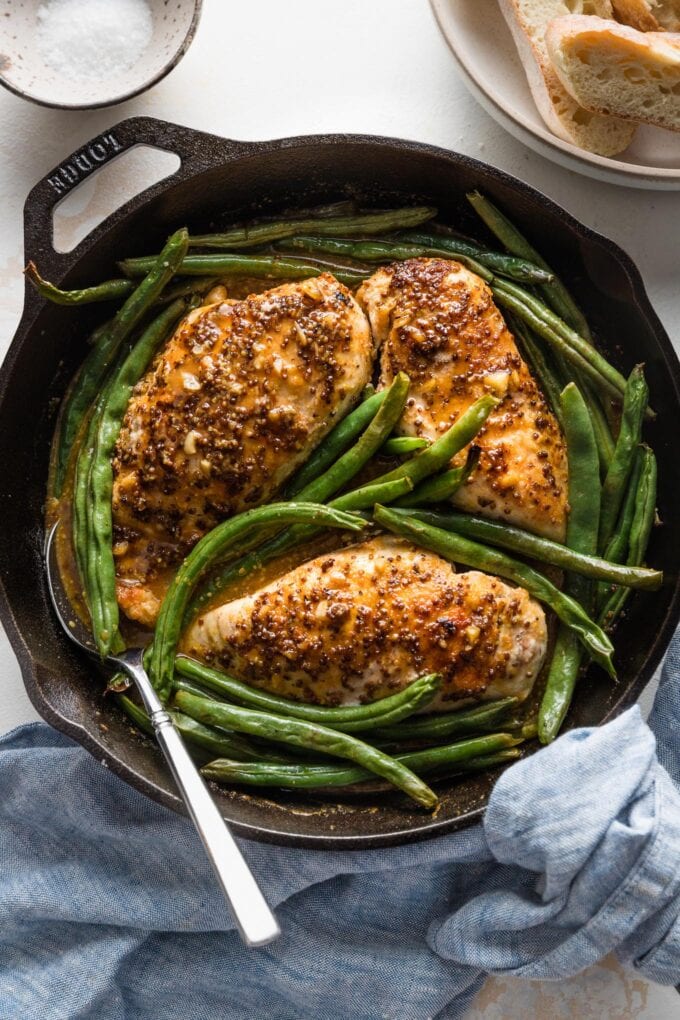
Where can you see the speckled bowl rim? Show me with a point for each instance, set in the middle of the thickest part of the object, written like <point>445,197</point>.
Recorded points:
<point>103,104</point>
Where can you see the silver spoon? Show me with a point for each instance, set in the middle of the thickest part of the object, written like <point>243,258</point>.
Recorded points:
<point>254,919</point>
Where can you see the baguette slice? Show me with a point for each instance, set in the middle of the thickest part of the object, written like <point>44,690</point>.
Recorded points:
<point>528,20</point>
<point>613,69</point>
<point>647,15</point>
<point>667,13</point>
<point>636,13</point>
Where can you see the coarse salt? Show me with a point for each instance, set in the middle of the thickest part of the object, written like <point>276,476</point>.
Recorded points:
<point>93,39</point>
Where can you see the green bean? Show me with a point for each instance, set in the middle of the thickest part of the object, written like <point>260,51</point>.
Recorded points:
<point>102,355</point>
<point>563,673</point>
<point>442,450</point>
<point>311,777</point>
<point>216,741</point>
<point>359,499</point>
<point>110,290</point>
<point>311,735</point>
<point>598,419</point>
<point>273,267</point>
<point>582,531</point>
<point>209,740</point>
<point>400,445</point>
<point>348,719</point>
<point>543,550</point>
<point>209,550</point>
<point>321,488</point>
<point>529,729</point>
<point>584,481</point>
<point>603,435</point>
<point>617,547</point>
<point>262,750</point>
<point>350,463</point>
<point>441,487</point>
<point>601,429</point>
<point>641,526</point>
<point>449,724</point>
<point>431,460</point>
<point>552,378</point>
<point>415,470</point>
<point>458,549</point>
<point>137,714</point>
<point>481,764</point>
<point>385,488</point>
<point>575,348</point>
<point>373,437</point>
<point>539,362</point>
<point>375,222</point>
<point>499,263</point>
<point>83,463</point>
<point>238,773</point>
<point>377,251</point>
<point>555,293</point>
<point>98,332</point>
<point>368,495</point>
<point>630,433</point>
<point>194,285</point>
<point>335,443</point>
<point>100,572</point>
<point>79,503</point>
<point>645,509</point>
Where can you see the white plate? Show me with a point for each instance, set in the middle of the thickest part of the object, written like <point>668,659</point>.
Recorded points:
<point>483,48</point>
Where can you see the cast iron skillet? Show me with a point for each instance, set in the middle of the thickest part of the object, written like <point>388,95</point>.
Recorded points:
<point>219,182</point>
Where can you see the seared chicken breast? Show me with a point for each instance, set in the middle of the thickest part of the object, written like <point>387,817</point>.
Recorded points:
<point>237,399</point>
<point>361,623</point>
<point>437,322</point>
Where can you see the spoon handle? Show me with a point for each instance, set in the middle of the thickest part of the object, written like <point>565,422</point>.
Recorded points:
<point>253,916</point>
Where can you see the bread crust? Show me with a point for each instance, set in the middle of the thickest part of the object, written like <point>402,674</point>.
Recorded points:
<point>612,68</point>
<point>568,120</point>
<point>636,14</point>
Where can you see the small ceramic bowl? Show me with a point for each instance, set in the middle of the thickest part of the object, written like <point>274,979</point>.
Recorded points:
<point>25,67</point>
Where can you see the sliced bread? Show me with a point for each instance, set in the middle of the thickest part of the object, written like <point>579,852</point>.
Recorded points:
<point>612,69</point>
<point>646,15</point>
<point>667,13</point>
<point>636,13</point>
<point>528,20</point>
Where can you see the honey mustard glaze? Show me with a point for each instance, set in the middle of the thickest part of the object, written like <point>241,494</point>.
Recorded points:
<point>61,508</point>
<point>156,563</point>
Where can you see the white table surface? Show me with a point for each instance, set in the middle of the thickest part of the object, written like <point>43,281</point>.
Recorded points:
<point>267,69</point>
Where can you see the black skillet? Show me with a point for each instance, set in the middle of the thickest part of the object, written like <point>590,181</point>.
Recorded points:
<point>219,182</point>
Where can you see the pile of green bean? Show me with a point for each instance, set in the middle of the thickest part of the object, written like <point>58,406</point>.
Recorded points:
<point>244,736</point>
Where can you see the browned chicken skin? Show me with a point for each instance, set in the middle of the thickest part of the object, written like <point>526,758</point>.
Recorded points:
<point>437,322</point>
<point>234,403</point>
<point>358,624</point>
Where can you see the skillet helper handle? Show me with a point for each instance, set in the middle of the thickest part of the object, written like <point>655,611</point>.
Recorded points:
<point>253,916</point>
<point>196,150</point>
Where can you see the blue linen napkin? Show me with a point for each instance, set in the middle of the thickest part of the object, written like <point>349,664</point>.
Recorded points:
<point>108,910</point>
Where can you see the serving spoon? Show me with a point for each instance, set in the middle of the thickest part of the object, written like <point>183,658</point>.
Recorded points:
<point>253,916</point>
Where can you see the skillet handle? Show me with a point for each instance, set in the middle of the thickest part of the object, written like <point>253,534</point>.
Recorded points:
<point>196,150</point>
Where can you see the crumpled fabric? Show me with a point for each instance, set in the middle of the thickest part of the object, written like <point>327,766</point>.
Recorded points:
<point>108,909</point>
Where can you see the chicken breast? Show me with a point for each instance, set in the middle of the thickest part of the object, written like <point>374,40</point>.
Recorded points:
<point>437,321</point>
<point>359,624</point>
<point>238,398</point>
